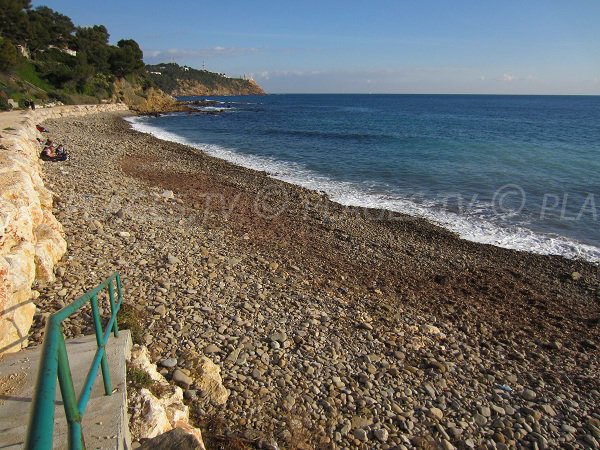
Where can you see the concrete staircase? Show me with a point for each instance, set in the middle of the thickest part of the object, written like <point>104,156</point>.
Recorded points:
<point>105,422</point>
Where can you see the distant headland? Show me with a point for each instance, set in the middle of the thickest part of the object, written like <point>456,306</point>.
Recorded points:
<point>179,80</point>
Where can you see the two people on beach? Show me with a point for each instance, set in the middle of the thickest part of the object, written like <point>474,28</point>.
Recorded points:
<point>51,153</point>
<point>54,154</point>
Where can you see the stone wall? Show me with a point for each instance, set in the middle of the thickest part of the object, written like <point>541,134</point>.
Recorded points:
<point>31,239</point>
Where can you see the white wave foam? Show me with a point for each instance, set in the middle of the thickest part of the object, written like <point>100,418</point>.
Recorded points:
<point>471,228</point>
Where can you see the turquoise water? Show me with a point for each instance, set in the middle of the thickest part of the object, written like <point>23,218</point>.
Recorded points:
<point>520,172</point>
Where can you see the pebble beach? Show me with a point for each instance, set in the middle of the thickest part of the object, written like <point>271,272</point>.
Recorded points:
<point>334,326</point>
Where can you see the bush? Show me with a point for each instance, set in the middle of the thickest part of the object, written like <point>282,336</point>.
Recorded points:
<point>4,106</point>
<point>8,55</point>
<point>60,97</point>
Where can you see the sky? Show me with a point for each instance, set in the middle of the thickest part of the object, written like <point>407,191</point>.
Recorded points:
<point>377,46</point>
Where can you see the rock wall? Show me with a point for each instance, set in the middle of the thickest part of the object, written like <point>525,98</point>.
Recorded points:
<point>31,239</point>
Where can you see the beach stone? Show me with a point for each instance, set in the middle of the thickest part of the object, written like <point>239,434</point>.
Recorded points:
<point>361,422</point>
<point>437,413</point>
<point>178,438</point>
<point>381,434</point>
<point>548,409</point>
<point>169,362</point>
<point>365,326</point>
<point>234,355</point>
<point>501,411</point>
<point>528,395</point>
<point>446,445</point>
<point>172,259</point>
<point>211,348</point>
<point>479,419</point>
<point>430,329</point>
<point>190,394</point>
<point>279,336</point>
<point>169,195</point>
<point>360,434</point>
<point>485,411</point>
<point>181,377</point>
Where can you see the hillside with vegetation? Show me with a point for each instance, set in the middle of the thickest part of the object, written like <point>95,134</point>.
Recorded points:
<point>183,80</point>
<point>45,58</point>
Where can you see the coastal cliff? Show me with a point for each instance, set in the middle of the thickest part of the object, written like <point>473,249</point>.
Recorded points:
<point>182,81</point>
<point>31,239</point>
<point>236,87</point>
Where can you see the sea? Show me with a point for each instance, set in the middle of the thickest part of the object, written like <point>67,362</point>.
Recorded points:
<point>520,172</point>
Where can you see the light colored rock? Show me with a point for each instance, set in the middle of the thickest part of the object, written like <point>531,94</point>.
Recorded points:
<point>141,360</point>
<point>157,415</point>
<point>154,420</point>
<point>209,381</point>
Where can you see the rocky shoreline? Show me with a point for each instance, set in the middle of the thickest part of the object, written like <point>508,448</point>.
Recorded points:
<point>334,327</point>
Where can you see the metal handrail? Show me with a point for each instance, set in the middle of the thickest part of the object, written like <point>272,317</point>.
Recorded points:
<point>55,364</point>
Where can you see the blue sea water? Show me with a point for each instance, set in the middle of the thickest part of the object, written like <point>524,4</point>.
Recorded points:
<point>520,172</point>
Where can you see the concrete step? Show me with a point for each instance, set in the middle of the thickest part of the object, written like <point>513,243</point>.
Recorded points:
<point>105,422</point>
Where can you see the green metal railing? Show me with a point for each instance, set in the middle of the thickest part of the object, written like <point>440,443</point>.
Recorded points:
<point>55,364</point>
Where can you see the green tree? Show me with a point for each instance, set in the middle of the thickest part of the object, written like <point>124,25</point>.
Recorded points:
<point>126,58</point>
<point>92,42</point>
<point>57,67</point>
<point>48,27</point>
<point>14,23</point>
<point>8,55</point>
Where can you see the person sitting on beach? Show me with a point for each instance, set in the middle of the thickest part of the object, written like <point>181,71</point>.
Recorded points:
<point>54,154</point>
<point>61,153</point>
<point>41,129</point>
<point>48,154</point>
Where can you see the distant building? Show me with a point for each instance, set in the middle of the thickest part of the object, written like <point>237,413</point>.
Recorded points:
<point>186,68</point>
<point>156,73</point>
<point>68,51</point>
<point>24,51</point>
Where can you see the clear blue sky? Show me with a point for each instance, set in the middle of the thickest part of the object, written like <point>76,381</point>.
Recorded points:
<point>386,46</point>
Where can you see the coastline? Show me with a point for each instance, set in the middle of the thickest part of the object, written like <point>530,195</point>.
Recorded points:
<point>370,300</point>
<point>350,193</point>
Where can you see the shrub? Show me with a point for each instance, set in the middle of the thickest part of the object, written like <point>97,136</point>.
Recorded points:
<point>4,106</point>
<point>8,55</point>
